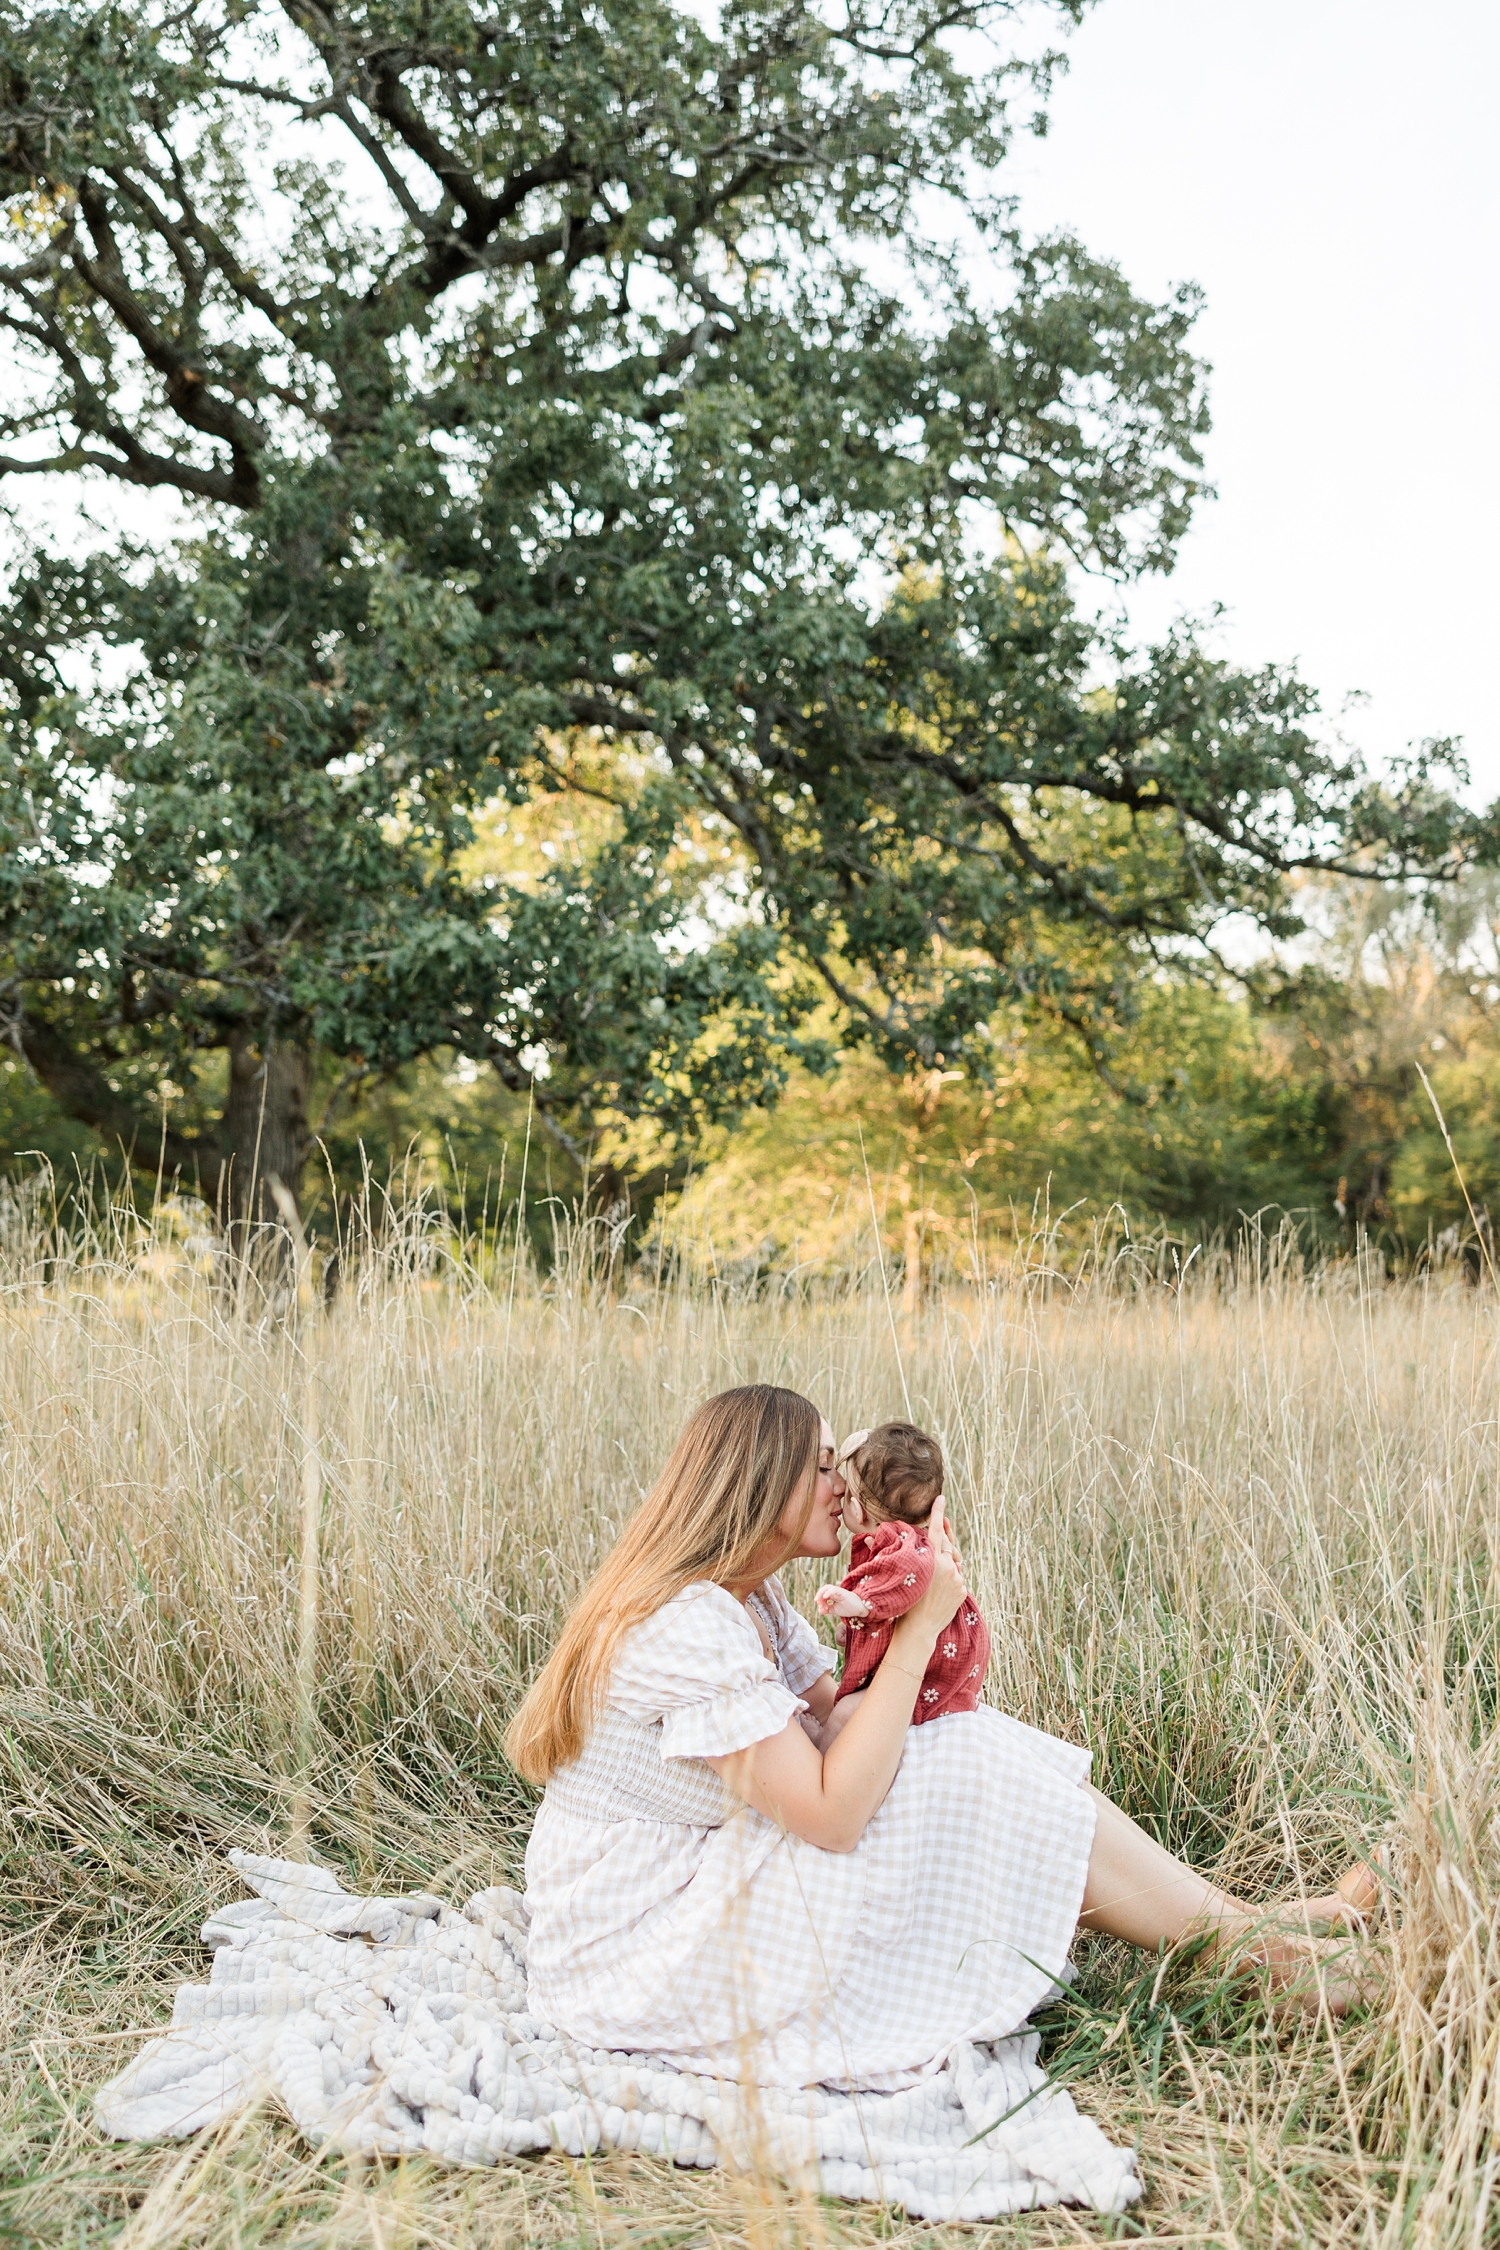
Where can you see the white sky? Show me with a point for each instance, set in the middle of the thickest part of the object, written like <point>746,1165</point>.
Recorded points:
<point>1327,170</point>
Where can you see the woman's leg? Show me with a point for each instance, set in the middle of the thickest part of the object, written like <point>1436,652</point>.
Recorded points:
<point>1136,1890</point>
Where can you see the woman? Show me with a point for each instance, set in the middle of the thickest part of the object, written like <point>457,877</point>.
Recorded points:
<point>706,1887</point>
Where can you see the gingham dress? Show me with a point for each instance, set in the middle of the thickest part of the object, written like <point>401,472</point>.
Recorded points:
<point>669,1919</point>
<point>890,1569</point>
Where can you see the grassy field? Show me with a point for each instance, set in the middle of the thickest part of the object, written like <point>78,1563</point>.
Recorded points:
<point>284,1575</point>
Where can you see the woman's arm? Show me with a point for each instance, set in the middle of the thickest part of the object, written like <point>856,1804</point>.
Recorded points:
<point>830,1801</point>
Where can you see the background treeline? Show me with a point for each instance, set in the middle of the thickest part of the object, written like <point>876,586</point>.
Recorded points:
<point>1299,1099</point>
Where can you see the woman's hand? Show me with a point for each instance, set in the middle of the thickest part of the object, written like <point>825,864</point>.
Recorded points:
<point>925,1619</point>
<point>940,1532</point>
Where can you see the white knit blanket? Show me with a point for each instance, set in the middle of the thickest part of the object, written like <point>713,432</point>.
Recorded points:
<point>400,2025</point>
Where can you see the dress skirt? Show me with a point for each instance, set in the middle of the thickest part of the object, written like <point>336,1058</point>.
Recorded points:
<point>746,1954</point>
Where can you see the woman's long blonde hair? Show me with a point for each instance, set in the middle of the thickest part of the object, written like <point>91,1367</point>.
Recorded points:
<point>742,1459</point>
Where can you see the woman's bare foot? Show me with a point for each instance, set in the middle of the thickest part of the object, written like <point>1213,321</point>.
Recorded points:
<point>1348,1906</point>
<point>1358,1890</point>
<point>1309,1972</point>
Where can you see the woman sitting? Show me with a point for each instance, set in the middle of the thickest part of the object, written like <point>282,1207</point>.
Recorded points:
<point>707,1886</point>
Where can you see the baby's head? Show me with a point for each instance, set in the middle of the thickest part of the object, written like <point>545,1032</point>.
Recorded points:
<point>894,1474</point>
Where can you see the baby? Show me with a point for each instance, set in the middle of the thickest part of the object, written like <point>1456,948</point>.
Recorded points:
<point>894,1476</point>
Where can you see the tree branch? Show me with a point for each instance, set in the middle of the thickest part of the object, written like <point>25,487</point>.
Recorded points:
<point>143,468</point>
<point>82,1093</point>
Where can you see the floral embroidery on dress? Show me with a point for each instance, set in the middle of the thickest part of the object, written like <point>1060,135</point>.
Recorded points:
<point>878,1572</point>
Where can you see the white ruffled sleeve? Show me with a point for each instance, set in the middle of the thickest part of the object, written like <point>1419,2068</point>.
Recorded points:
<point>801,1657</point>
<point>698,1666</point>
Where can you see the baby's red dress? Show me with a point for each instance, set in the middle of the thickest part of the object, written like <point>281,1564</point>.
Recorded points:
<point>891,1568</point>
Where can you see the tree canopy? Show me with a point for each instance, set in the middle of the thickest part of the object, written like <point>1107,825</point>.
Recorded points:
<point>592,399</point>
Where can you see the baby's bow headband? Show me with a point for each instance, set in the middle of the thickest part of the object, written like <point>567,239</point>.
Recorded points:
<point>844,1461</point>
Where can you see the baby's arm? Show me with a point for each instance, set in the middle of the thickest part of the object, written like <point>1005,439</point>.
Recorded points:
<point>837,1601</point>
<point>895,1578</point>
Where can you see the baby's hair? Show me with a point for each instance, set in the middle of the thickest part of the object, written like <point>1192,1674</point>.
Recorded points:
<point>894,1471</point>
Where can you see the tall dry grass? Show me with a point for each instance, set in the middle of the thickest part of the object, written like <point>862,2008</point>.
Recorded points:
<point>278,1568</point>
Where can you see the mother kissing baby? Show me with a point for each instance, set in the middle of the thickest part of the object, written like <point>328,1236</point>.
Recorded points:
<point>710,1884</point>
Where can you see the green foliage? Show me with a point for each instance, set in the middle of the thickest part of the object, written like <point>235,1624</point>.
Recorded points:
<point>548,393</point>
<point>1305,1103</point>
<point>1225,1134</point>
<point>1427,1182</point>
<point>1405,984</point>
<point>33,1129</point>
<point>1310,1109</point>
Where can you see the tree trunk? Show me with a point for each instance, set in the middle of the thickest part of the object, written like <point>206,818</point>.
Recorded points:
<point>263,1134</point>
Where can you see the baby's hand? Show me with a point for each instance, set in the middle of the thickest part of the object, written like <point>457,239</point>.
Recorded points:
<point>837,1601</point>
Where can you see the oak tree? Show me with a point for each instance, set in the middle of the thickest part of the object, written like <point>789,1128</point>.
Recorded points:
<point>582,396</point>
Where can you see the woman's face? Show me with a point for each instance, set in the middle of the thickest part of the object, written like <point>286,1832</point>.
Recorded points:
<point>820,1535</point>
<point>823,1533</point>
